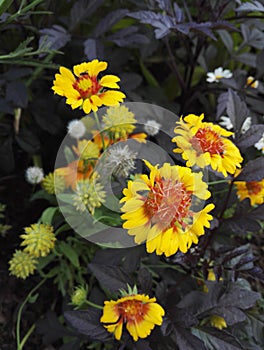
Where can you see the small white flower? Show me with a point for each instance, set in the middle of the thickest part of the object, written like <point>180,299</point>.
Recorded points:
<point>152,127</point>
<point>120,161</point>
<point>76,128</point>
<point>226,123</point>
<point>34,175</point>
<point>260,144</point>
<point>218,74</point>
<point>252,82</point>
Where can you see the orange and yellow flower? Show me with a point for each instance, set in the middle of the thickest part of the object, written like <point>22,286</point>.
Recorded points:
<point>163,209</point>
<point>203,144</point>
<point>83,89</point>
<point>254,190</point>
<point>139,313</point>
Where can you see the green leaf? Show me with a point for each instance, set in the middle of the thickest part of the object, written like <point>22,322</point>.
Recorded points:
<point>48,214</point>
<point>33,298</point>
<point>69,252</point>
<point>148,75</point>
<point>4,5</point>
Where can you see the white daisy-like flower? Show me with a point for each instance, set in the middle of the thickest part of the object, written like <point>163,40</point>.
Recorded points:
<point>76,128</point>
<point>260,144</point>
<point>252,82</point>
<point>152,127</point>
<point>120,161</point>
<point>226,123</point>
<point>34,175</point>
<point>218,74</point>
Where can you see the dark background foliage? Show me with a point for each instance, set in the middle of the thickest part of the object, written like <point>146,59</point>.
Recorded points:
<point>161,50</point>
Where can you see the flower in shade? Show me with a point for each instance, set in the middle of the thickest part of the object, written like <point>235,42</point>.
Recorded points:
<point>38,240</point>
<point>162,209</point>
<point>119,121</point>
<point>53,183</point>
<point>254,190</point>
<point>138,312</point>
<point>34,175</point>
<point>252,82</point>
<point>260,144</point>
<point>152,127</point>
<point>22,264</point>
<point>218,322</point>
<point>203,144</point>
<point>218,74</point>
<point>83,89</point>
<point>89,194</point>
<point>226,123</point>
<point>76,128</point>
<point>119,161</point>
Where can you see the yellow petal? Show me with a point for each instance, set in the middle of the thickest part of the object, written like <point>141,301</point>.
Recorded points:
<point>110,81</point>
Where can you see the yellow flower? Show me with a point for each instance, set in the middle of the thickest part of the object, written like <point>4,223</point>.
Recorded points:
<point>53,183</point>
<point>83,89</point>
<point>203,144</point>
<point>252,82</point>
<point>138,312</point>
<point>218,322</point>
<point>119,121</point>
<point>22,264</point>
<point>87,150</point>
<point>160,209</point>
<point>39,239</point>
<point>254,190</point>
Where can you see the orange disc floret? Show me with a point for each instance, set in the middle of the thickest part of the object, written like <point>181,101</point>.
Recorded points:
<point>83,89</point>
<point>203,144</point>
<point>139,313</point>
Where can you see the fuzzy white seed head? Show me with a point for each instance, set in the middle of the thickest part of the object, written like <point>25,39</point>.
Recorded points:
<point>76,128</point>
<point>120,161</point>
<point>34,175</point>
<point>152,127</point>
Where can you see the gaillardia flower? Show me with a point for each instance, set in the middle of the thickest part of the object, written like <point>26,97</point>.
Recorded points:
<point>163,209</point>
<point>254,190</point>
<point>83,88</point>
<point>138,312</point>
<point>22,264</point>
<point>39,239</point>
<point>203,144</point>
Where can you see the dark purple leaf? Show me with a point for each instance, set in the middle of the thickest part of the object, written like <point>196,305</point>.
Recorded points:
<point>108,21</point>
<point>145,280</point>
<point>6,107</point>
<point>252,136</point>
<point>179,15</point>
<point>17,73</point>
<point>221,24</point>
<point>256,272</point>
<point>54,38</point>
<point>133,40</point>
<point>142,345</point>
<point>16,92</point>
<point>257,213</point>
<point>259,63</point>
<point>87,323</point>
<point>238,297</point>
<point>130,81</point>
<point>186,340</point>
<point>204,28</point>
<point>28,141</point>
<point>164,5</point>
<point>252,36</point>
<point>253,171</point>
<point>93,49</point>
<point>251,7</point>
<point>226,39</point>
<point>236,110</point>
<point>247,58</point>
<point>7,161</point>
<point>82,9</point>
<point>111,277</point>
<point>221,104</point>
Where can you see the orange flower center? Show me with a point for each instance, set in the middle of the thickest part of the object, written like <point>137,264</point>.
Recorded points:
<point>132,310</point>
<point>253,187</point>
<point>168,202</point>
<point>207,140</point>
<point>86,86</point>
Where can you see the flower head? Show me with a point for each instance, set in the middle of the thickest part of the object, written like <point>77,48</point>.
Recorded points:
<point>53,183</point>
<point>260,144</point>
<point>89,194</point>
<point>119,121</point>
<point>138,312</point>
<point>254,190</point>
<point>252,82</point>
<point>218,322</point>
<point>39,239</point>
<point>120,160</point>
<point>87,150</point>
<point>22,264</point>
<point>162,209</point>
<point>152,127</point>
<point>203,144</point>
<point>79,296</point>
<point>218,74</point>
<point>76,128</point>
<point>82,88</point>
<point>34,175</point>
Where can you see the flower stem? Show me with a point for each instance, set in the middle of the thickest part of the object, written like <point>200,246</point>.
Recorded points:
<point>217,182</point>
<point>99,128</point>
<point>90,303</point>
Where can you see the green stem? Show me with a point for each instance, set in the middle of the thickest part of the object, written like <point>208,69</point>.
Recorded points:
<point>99,128</point>
<point>217,182</point>
<point>20,344</point>
<point>90,303</point>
